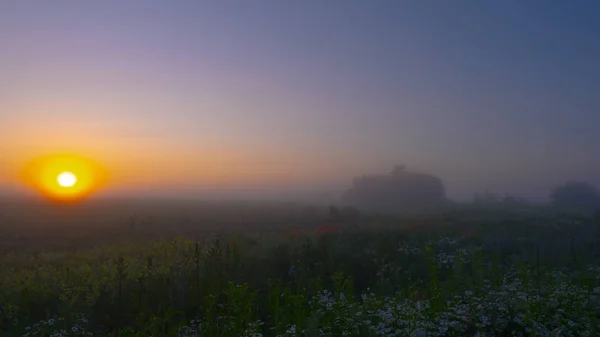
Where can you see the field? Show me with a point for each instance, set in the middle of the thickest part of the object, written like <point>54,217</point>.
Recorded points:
<point>233,269</point>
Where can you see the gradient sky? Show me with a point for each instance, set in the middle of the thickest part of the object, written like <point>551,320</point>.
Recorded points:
<point>502,95</point>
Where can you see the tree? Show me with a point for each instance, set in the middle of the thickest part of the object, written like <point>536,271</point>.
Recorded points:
<point>576,196</point>
<point>399,191</point>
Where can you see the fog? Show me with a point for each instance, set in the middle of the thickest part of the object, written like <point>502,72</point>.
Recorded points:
<point>293,101</point>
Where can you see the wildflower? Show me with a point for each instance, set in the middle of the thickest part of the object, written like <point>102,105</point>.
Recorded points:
<point>292,329</point>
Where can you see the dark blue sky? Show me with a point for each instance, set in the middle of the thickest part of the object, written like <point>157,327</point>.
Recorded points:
<point>486,94</point>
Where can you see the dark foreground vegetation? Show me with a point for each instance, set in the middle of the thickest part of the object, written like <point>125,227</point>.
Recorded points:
<point>311,274</point>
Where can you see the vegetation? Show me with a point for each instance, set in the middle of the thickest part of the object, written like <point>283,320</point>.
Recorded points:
<point>576,196</point>
<point>461,274</point>
<point>401,191</point>
<point>405,192</point>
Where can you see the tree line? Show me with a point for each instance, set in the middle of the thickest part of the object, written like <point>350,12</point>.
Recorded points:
<point>405,191</point>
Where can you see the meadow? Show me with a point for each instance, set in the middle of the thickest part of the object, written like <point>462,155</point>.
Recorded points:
<point>284,270</point>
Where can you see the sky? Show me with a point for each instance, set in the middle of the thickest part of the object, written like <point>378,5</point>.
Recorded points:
<point>187,96</point>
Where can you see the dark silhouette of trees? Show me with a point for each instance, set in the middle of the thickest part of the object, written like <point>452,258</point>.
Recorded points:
<point>576,196</point>
<point>492,200</point>
<point>400,191</point>
<point>486,199</point>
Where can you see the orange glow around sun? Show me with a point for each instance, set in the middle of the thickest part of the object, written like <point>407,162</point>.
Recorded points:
<point>64,177</point>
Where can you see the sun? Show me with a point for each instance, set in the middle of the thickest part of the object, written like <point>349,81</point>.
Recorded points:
<point>66,179</point>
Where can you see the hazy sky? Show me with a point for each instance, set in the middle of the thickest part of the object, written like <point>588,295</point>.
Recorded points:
<point>485,94</point>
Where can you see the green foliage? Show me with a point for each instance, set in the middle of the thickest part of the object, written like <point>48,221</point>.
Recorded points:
<point>366,282</point>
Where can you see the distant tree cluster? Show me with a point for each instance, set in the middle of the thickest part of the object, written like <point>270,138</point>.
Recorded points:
<point>492,200</point>
<point>576,196</point>
<point>403,191</point>
<point>399,191</point>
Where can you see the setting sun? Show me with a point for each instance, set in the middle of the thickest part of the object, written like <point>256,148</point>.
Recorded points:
<point>64,177</point>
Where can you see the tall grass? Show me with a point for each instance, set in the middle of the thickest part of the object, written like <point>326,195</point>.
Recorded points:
<point>350,281</point>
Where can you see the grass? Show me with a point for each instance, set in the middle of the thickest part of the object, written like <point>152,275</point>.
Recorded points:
<point>464,276</point>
